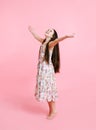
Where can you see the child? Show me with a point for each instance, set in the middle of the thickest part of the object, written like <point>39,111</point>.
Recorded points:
<point>48,65</point>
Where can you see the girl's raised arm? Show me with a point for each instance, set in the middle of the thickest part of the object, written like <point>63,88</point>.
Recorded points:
<point>35,35</point>
<point>53,43</point>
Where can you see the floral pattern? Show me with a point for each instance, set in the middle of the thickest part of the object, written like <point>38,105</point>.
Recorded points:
<point>45,78</point>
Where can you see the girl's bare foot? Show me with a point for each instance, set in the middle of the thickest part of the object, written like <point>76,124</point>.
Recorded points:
<point>51,115</point>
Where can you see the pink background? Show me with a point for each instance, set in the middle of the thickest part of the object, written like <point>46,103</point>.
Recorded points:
<point>76,83</point>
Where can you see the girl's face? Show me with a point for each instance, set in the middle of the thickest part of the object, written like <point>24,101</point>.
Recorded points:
<point>49,33</point>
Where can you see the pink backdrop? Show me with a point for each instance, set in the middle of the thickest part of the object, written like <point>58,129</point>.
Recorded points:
<point>18,62</point>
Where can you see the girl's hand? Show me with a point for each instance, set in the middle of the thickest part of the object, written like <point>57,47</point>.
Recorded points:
<point>30,28</point>
<point>70,36</point>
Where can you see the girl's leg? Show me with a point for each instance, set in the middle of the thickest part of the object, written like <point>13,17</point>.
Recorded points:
<point>52,109</point>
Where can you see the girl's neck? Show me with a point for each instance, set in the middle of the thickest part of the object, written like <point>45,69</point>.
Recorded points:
<point>47,39</point>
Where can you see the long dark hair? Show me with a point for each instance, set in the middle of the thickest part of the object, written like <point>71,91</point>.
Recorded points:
<point>55,55</point>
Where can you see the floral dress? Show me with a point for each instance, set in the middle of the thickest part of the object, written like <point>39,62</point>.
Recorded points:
<point>45,79</point>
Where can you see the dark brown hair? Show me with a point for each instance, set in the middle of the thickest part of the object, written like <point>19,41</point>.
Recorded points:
<point>55,55</point>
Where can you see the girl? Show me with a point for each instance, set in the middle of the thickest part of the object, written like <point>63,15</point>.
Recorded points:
<point>48,65</point>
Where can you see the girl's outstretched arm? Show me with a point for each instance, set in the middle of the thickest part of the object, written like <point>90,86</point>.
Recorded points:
<point>35,35</point>
<point>53,43</point>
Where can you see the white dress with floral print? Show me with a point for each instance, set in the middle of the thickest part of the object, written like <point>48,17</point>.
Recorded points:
<point>45,79</point>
